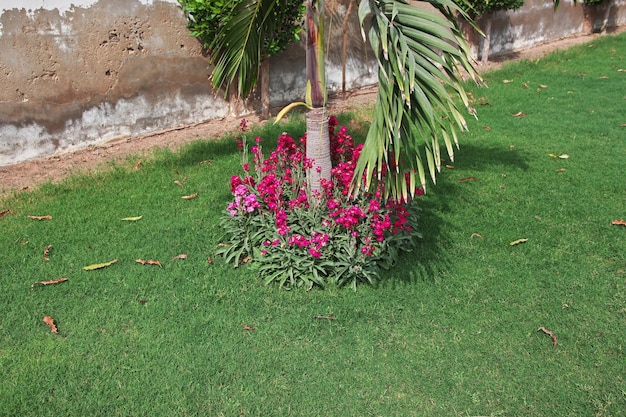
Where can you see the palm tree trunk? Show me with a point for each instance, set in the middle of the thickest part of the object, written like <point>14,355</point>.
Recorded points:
<point>317,142</point>
<point>317,147</point>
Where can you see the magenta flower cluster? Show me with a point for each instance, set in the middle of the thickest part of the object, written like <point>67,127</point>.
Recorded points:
<point>273,191</point>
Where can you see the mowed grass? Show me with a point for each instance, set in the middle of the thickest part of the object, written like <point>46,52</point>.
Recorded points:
<point>451,331</point>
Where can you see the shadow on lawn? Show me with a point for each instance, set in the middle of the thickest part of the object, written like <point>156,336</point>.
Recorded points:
<point>432,256</point>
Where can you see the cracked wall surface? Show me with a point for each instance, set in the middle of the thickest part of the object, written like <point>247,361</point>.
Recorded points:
<point>78,72</point>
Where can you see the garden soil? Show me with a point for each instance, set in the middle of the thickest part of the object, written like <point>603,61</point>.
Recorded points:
<point>29,174</point>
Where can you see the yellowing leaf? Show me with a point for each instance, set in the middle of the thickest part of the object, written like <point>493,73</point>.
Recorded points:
<point>553,155</point>
<point>132,219</point>
<point>518,241</point>
<point>98,266</point>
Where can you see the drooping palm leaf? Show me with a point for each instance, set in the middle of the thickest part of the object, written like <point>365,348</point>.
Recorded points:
<point>419,52</point>
<point>240,42</point>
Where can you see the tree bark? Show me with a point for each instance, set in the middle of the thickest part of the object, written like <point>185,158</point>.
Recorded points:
<point>317,148</point>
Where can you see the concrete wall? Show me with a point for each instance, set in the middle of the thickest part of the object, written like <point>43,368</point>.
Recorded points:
<point>79,72</point>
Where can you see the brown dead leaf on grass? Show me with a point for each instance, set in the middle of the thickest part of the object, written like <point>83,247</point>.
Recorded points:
<point>468,179</point>
<point>49,282</point>
<point>138,165</point>
<point>550,333</point>
<point>46,253</point>
<point>619,222</point>
<point>519,114</point>
<point>149,262</point>
<point>4,213</point>
<point>46,217</point>
<point>50,322</point>
<point>248,328</point>
<point>190,197</point>
<point>181,256</point>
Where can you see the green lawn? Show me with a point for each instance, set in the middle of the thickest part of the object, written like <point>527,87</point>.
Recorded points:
<point>450,331</point>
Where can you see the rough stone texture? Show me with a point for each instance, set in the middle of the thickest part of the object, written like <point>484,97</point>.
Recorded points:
<point>78,77</point>
<point>82,72</point>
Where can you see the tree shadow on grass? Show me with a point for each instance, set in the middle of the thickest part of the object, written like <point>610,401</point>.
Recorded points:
<point>432,256</point>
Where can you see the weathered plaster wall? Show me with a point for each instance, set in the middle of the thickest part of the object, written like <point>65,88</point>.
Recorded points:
<point>78,72</point>
<point>73,74</point>
<point>537,22</point>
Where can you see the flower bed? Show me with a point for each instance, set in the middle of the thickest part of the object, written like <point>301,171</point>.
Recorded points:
<point>298,238</point>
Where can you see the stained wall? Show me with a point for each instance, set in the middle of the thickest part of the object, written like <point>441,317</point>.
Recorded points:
<point>79,72</point>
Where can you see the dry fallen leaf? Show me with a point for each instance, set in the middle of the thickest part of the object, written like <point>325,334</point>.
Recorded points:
<point>473,235</point>
<point>98,266</point>
<point>50,282</point>
<point>209,260</point>
<point>180,184</point>
<point>206,161</point>
<point>450,166</point>
<point>548,332</point>
<point>564,156</point>
<point>518,241</point>
<point>468,179</point>
<point>46,253</point>
<point>190,197</point>
<point>519,114</point>
<point>46,217</point>
<point>149,262</point>
<point>50,322</point>
<point>511,147</point>
<point>525,85</point>
<point>4,212</point>
<point>619,222</point>
<point>181,256</point>
<point>543,86</point>
<point>246,327</point>
<point>138,164</point>
<point>223,245</point>
<point>538,218</point>
<point>487,128</point>
<point>132,219</point>
<point>321,317</point>
<point>560,170</point>
<point>507,81</point>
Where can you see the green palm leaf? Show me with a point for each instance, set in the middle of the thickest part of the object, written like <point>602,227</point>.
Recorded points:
<point>239,43</point>
<point>418,52</point>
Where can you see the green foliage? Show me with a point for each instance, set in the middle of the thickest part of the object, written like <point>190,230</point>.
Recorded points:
<point>418,52</point>
<point>482,7</point>
<point>239,33</point>
<point>299,238</point>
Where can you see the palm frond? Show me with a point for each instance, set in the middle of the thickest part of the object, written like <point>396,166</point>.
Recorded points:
<point>419,53</point>
<point>238,49</point>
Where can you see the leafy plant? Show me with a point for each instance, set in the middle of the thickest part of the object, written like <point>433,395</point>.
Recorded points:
<point>270,25</point>
<point>297,236</point>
